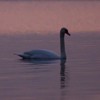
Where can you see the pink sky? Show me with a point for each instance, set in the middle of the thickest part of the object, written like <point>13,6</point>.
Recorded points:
<point>49,16</point>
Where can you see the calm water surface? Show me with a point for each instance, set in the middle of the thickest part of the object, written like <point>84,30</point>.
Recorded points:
<point>76,79</point>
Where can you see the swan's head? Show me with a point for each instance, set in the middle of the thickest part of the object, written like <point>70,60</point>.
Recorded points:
<point>64,31</point>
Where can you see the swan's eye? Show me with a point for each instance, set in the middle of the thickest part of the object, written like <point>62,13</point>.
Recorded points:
<point>63,31</point>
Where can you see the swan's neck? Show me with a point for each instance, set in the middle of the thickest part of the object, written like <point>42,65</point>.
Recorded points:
<point>62,46</point>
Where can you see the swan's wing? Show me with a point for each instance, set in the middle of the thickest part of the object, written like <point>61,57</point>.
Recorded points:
<point>41,54</point>
<point>29,53</point>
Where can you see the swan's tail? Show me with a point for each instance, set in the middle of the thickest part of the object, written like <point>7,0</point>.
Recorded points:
<point>20,55</point>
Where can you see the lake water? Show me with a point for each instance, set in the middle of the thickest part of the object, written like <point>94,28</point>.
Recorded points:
<point>27,25</point>
<point>76,79</point>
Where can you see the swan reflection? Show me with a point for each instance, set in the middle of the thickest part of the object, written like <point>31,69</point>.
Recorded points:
<point>39,61</point>
<point>63,74</point>
<point>64,79</point>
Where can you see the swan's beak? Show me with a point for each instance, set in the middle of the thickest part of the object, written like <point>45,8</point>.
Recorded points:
<point>68,33</point>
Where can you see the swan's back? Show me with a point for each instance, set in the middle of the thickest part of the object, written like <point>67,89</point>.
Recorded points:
<point>39,54</point>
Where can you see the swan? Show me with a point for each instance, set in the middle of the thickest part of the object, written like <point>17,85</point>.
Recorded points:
<point>46,54</point>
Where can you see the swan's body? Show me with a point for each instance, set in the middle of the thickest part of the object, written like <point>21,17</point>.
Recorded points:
<point>39,54</point>
<point>45,54</point>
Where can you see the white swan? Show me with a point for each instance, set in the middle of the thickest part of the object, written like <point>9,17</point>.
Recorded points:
<point>45,54</point>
